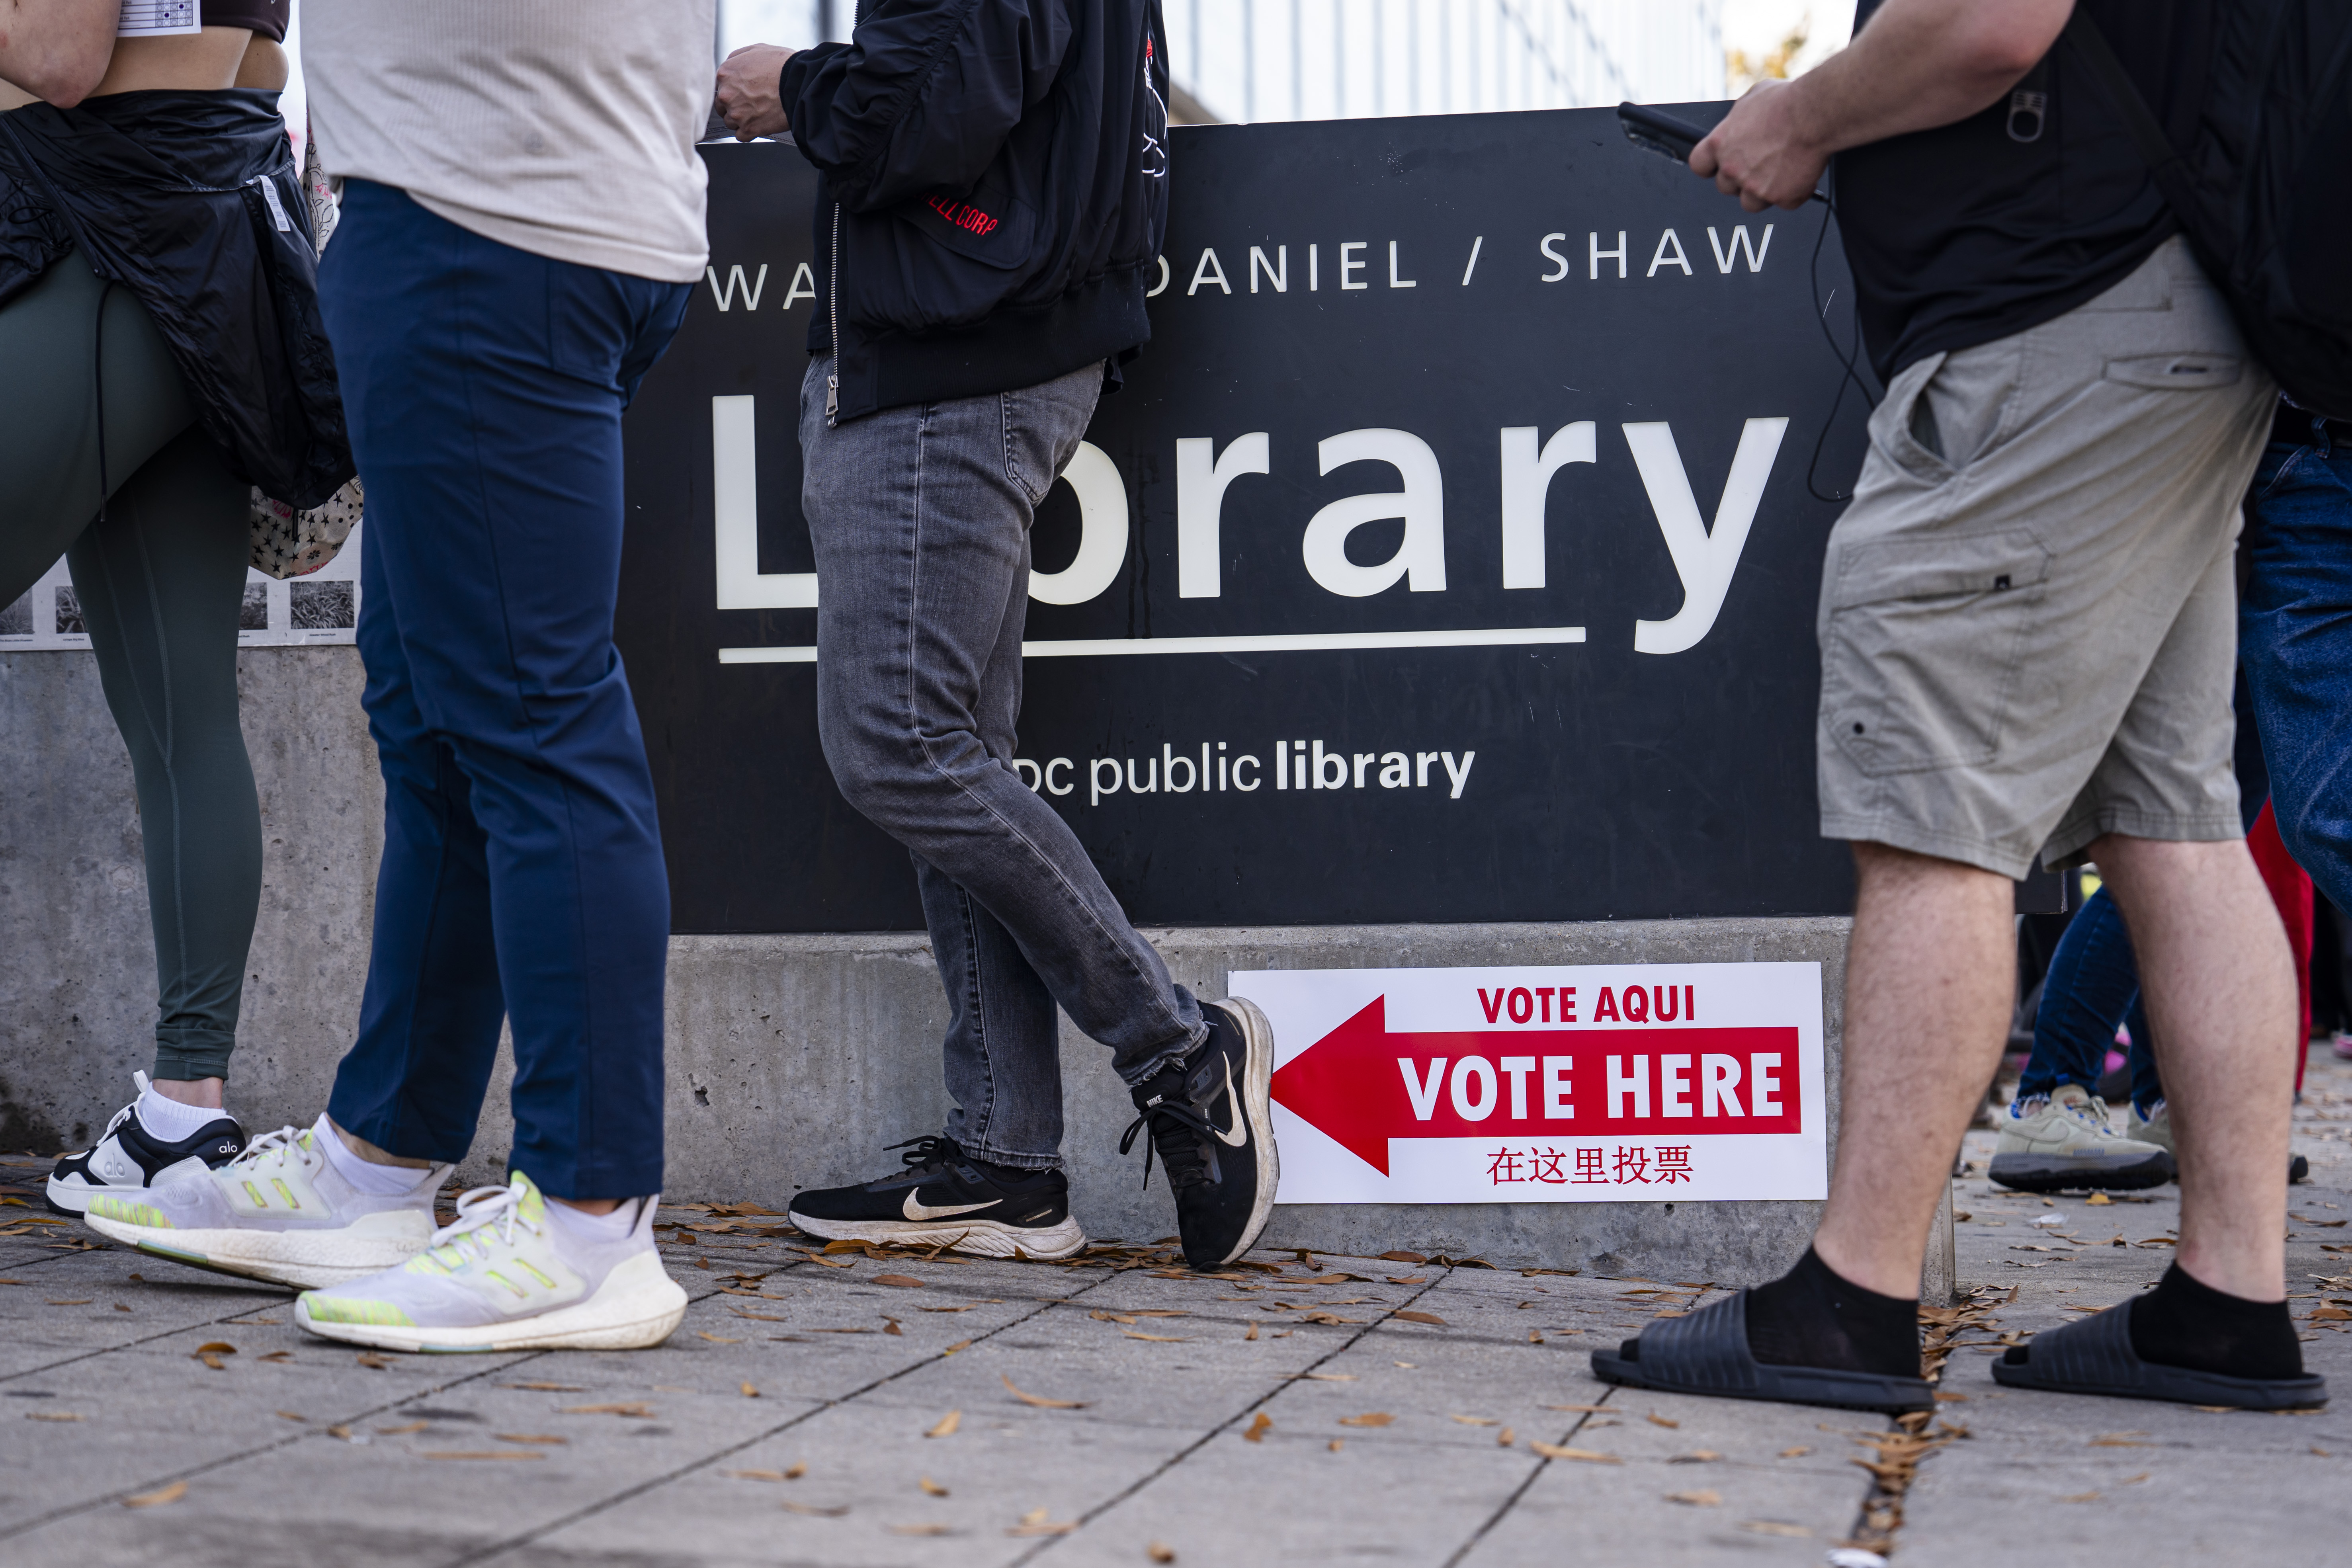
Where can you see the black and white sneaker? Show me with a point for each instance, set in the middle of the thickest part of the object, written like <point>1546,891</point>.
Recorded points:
<point>1209,1119</point>
<point>128,1160</point>
<point>945,1198</point>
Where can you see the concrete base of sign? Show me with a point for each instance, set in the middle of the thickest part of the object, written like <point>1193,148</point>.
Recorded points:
<point>793,1059</point>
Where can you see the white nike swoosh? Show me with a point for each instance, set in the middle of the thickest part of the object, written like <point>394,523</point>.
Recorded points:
<point>1240,1134</point>
<point>916,1210</point>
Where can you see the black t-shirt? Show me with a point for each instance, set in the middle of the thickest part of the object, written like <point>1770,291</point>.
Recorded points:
<point>1981,228</point>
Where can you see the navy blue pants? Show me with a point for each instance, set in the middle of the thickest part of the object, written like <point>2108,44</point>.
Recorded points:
<point>522,872</point>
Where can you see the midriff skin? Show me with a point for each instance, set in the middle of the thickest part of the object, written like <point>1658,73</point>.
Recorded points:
<point>208,61</point>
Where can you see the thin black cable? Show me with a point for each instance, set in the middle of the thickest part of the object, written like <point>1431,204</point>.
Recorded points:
<point>1845,358</point>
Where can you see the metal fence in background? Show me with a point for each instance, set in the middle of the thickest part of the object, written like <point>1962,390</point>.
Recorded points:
<point>1345,59</point>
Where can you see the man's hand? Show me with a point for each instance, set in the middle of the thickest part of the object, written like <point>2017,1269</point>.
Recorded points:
<point>1762,153</point>
<point>1916,64</point>
<point>749,95</point>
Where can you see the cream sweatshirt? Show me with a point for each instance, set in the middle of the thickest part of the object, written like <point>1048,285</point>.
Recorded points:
<point>565,128</point>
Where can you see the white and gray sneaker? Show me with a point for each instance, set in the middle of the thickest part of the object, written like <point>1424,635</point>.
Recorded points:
<point>2064,1143</point>
<point>510,1274</point>
<point>2155,1127</point>
<point>129,1157</point>
<point>280,1212</point>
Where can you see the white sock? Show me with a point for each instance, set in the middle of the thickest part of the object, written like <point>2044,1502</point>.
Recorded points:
<point>602,1229</point>
<point>168,1119</point>
<point>376,1181</point>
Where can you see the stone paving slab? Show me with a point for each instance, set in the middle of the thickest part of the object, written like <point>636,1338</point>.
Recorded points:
<point>1173,1371</point>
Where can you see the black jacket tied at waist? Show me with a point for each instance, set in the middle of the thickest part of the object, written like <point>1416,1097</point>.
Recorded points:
<point>191,201</point>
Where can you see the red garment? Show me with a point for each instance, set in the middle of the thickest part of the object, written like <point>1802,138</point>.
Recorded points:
<point>2290,887</point>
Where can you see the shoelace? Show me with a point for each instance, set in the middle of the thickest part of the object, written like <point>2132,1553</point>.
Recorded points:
<point>1186,1142</point>
<point>480,1208</point>
<point>927,1153</point>
<point>284,1144</point>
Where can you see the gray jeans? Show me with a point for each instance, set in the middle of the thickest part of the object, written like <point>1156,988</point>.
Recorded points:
<point>921,519</point>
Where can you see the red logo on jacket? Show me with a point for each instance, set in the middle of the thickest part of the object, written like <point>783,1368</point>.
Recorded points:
<point>963,215</point>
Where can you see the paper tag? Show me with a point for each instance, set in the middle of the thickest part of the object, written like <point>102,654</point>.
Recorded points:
<point>277,210</point>
<point>159,18</point>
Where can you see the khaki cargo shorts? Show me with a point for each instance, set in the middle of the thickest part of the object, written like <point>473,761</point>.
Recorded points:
<point>2029,613</point>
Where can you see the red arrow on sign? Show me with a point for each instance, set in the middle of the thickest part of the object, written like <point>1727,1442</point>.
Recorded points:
<point>1361,1085</point>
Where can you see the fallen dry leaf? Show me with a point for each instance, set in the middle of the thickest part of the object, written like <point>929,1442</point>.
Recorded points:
<point>85,1301</point>
<point>932,1486</point>
<point>1038,1400</point>
<point>1258,1428</point>
<point>1102,1317</point>
<point>2134,1480</point>
<point>1695,1457</point>
<point>2080,1496</point>
<point>1403,1258</point>
<point>1706,1497</point>
<point>289,1416</point>
<point>1794,1453</point>
<point>485,1454</point>
<point>159,1497</point>
<point>1475,1420</point>
<point>947,1425</point>
<point>958,1346</point>
<point>1064,1528</point>
<point>374,1363</point>
<point>1580,1409</point>
<point>1161,1339</point>
<point>814,1511</point>
<point>1505,1438</point>
<point>1590,1455</point>
<point>1160,1551</point>
<point>530,1437</point>
<point>62,1415</point>
<point>890,1326</point>
<point>1337,1443</point>
<point>1658,1420</point>
<point>1252,1332</point>
<point>1773,1526</point>
<point>548,1388</point>
<point>402,1431</point>
<point>1368,1418</point>
<point>1420,1318</point>
<point>766,1475</point>
<point>922,1529</point>
<point>633,1410</point>
<point>2095,1199</point>
<point>903,1281</point>
<point>715,1339</point>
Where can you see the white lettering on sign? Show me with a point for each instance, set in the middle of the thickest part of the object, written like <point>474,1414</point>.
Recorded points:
<point>1463,1085</point>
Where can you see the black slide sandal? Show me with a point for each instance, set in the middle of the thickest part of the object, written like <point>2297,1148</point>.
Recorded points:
<point>2096,1356</point>
<point>1705,1352</point>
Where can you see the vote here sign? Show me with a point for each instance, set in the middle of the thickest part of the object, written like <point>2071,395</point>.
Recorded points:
<point>1613,1083</point>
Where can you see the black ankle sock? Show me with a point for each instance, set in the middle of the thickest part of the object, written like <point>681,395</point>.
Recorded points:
<point>1812,1316</point>
<point>2187,1323</point>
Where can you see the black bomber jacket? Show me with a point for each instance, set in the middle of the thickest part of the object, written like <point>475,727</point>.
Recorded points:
<point>994,193</point>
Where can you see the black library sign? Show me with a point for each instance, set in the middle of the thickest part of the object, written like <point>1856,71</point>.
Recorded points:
<point>1449,555</point>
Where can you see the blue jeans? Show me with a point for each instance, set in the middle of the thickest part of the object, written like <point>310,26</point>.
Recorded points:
<point>522,872</point>
<point>2094,986</point>
<point>2294,644</point>
<point>920,516</point>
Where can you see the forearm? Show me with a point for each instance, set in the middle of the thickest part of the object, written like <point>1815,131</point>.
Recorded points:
<point>1921,64</point>
<point>56,50</point>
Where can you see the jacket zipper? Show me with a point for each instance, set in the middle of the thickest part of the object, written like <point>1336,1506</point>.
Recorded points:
<point>833,307</point>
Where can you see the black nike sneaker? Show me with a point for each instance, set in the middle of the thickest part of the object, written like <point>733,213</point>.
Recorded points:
<point>128,1160</point>
<point>1210,1120</point>
<point>944,1197</point>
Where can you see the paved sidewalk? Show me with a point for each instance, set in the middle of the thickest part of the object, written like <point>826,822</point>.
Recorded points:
<point>1290,1411</point>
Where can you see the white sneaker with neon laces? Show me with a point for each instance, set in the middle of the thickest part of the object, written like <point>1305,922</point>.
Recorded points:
<point>508,1276</point>
<point>280,1212</point>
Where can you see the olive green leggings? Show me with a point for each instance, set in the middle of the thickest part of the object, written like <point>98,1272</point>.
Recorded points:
<point>160,573</point>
